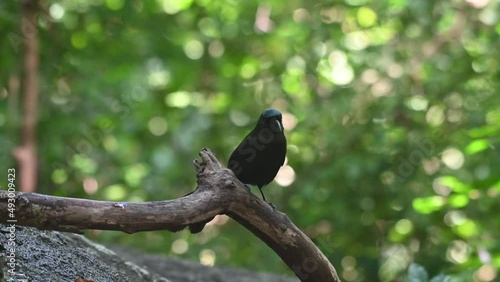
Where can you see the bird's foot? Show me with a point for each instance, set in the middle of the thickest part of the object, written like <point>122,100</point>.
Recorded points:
<point>272,206</point>
<point>248,187</point>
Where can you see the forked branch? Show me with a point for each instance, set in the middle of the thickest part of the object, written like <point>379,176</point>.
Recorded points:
<point>218,192</point>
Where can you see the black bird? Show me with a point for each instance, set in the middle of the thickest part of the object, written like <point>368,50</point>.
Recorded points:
<point>260,155</point>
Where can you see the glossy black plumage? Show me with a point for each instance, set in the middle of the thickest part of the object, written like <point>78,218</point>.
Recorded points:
<point>262,152</point>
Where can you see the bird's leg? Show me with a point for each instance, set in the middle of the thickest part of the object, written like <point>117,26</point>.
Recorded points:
<point>263,197</point>
<point>265,200</point>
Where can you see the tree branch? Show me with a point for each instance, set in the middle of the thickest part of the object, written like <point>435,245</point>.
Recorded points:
<point>218,192</point>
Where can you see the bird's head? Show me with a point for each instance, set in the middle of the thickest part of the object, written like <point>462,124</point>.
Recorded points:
<point>271,118</point>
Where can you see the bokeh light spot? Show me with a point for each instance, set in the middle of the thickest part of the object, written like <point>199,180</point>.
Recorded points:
<point>193,49</point>
<point>248,70</point>
<point>207,257</point>
<point>435,115</point>
<point>468,228</point>
<point>301,15</point>
<point>366,17</point>
<point>79,40</point>
<point>90,185</point>
<point>458,252</point>
<point>179,99</point>
<point>59,176</point>
<point>458,201</point>
<point>115,192</point>
<point>453,218</point>
<point>404,226</point>
<point>478,3</point>
<point>418,103</point>
<point>289,121</point>
<point>216,48</point>
<point>428,205</point>
<point>357,40</point>
<point>135,173</point>
<point>286,176</point>
<point>486,273</point>
<point>173,7</point>
<point>56,11</point>
<point>158,126</point>
<point>453,158</point>
<point>180,246</point>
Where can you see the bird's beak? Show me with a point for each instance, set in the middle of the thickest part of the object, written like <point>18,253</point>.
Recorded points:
<point>278,126</point>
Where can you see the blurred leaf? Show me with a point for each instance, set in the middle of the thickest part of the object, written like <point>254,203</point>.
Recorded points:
<point>468,228</point>
<point>484,131</point>
<point>458,201</point>
<point>428,204</point>
<point>477,146</point>
<point>454,184</point>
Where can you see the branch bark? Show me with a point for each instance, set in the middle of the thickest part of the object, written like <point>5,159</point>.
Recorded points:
<point>218,192</point>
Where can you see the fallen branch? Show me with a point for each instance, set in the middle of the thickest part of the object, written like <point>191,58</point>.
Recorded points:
<point>218,192</point>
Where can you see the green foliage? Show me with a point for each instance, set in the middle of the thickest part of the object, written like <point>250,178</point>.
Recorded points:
<point>391,110</point>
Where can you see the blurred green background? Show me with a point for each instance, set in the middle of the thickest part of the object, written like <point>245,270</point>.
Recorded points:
<point>391,109</point>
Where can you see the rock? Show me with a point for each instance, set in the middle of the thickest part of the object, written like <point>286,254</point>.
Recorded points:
<point>43,255</point>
